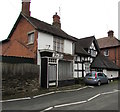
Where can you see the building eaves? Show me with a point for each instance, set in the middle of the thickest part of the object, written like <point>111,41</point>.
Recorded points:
<point>102,62</point>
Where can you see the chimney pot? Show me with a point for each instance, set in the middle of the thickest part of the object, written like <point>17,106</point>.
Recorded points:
<point>110,33</point>
<point>56,21</point>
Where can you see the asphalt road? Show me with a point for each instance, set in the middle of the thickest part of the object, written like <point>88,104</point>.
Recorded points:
<point>104,97</point>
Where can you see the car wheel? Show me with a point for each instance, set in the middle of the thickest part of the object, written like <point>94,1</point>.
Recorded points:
<point>99,83</point>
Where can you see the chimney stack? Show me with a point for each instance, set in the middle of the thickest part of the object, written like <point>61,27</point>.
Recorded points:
<point>110,33</point>
<point>26,7</point>
<point>56,21</point>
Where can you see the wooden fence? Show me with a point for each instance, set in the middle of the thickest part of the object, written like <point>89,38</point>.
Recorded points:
<point>19,78</point>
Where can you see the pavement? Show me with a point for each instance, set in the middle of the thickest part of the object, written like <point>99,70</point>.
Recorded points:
<point>104,97</point>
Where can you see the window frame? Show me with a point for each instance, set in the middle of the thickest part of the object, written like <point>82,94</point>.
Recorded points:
<point>58,44</point>
<point>31,38</point>
<point>106,52</point>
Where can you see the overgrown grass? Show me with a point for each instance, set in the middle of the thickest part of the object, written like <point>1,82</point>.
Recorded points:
<point>39,91</point>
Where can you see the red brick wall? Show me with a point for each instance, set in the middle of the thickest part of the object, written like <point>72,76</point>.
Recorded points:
<point>21,34</point>
<point>114,53</point>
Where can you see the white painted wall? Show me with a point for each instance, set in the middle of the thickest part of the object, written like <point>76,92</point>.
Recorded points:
<point>67,46</point>
<point>44,40</point>
<point>78,58</point>
<point>114,74</point>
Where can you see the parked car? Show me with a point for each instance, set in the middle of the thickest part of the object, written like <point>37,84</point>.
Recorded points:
<point>97,78</point>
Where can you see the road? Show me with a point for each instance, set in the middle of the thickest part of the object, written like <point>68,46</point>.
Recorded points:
<point>104,97</point>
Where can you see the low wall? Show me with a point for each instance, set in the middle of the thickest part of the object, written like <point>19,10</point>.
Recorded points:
<point>19,78</point>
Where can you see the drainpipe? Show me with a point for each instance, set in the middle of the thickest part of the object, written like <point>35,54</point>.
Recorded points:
<point>57,73</point>
<point>115,55</point>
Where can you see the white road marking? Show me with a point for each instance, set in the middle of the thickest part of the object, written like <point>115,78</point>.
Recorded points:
<point>93,97</point>
<point>49,108</point>
<point>68,104</point>
<point>80,102</point>
<point>27,98</point>
<point>110,92</point>
<point>82,88</point>
<point>74,89</point>
<point>91,86</point>
<point>43,94</point>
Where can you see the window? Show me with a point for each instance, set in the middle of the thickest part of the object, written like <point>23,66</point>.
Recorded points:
<point>100,75</point>
<point>58,45</point>
<point>106,53</point>
<point>30,38</point>
<point>93,53</point>
<point>87,67</point>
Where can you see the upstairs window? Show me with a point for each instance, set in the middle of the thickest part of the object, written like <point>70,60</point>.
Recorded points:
<point>93,53</point>
<point>31,38</point>
<point>58,44</point>
<point>106,53</point>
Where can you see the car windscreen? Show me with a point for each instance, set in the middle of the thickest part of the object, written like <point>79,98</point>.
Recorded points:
<point>90,74</point>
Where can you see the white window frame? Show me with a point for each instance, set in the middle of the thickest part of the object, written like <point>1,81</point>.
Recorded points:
<point>106,52</point>
<point>31,37</point>
<point>58,44</point>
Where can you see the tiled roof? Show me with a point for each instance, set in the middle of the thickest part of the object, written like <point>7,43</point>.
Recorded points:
<point>16,49</point>
<point>108,42</point>
<point>85,42</point>
<point>9,48</point>
<point>102,62</point>
<point>80,51</point>
<point>48,28</point>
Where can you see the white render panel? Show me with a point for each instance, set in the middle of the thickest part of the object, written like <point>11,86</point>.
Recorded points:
<point>79,66</point>
<point>45,41</point>
<point>111,74</point>
<point>80,74</point>
<point>75,74</point>
<point>67,46</point>
<point>78,58</point>
<point>75,66</point>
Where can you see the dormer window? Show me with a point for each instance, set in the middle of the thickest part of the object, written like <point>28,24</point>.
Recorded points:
<point>31,38</point>
<point>106,53</point>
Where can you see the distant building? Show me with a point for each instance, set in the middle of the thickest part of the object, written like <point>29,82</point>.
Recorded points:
<point>86,49</point>
<point>110,47</point>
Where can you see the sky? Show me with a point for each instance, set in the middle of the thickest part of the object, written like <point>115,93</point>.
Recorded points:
<point>79,18</point>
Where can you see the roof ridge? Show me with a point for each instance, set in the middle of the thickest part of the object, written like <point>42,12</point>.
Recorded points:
<point>44,22</point>
<point>48,28</point>
<point>87,37</point>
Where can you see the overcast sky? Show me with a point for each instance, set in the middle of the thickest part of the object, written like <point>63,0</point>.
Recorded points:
<point>79,18</point>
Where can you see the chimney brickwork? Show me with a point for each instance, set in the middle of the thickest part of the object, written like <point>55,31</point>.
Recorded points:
<point>56,21</point>
<point>26,7</point>
<point>110,33</point>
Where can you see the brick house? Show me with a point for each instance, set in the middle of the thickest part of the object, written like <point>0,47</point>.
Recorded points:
<point>61,57</point>
<point>34,41</point>
<point>110,47</point>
